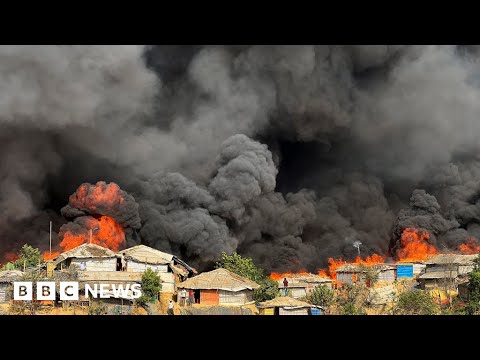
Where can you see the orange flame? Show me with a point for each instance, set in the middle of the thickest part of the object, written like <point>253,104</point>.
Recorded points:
<point>279,276</point>
<point>47,256</point>
<point>10,257</point>
<point>91,197</point>
<point>109,234</point>
<point>415,246</point>
<point>333,264</point>
<point>471,247</point>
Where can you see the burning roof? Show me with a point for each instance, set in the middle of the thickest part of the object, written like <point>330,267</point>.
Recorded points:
<point>356,268</point>
<point>302,280</point>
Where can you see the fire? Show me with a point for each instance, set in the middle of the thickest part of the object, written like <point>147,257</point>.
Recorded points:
<point>471,247</point>
<point>106,232</point>
<point>96,198</point>
<point>333,264</point>
<point>10,257</point>
<point>415,246</point>
<point>47,256</point>
<point>279,276</point>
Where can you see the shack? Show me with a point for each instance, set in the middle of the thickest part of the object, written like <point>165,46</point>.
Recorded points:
<point>286,305</point>
<point>446,271</point>
<point>94,258</point>
<point>220,286</point>
<point>301,285</point>
<point>353,273</point>
<point>7,278</point>
<point>168,267</point>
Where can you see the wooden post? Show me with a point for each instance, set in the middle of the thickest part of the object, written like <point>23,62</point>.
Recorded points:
<point>24,264</point>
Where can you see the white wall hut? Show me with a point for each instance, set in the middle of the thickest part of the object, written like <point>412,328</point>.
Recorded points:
<point>139,258</point>
<point>95,258</point>
<point>301,285</point>
<point>220,286</point>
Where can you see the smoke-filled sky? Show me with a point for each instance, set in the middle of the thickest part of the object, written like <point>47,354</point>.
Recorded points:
<point>286,154</point>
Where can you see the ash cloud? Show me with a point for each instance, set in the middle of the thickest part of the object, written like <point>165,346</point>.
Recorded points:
<point>287,154</point>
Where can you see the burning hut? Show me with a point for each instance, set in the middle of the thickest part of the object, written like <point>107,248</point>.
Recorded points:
<point>286,305</point>
<point>301,285</point>
<point>141,257</point>
<point>6,279</point>
<point>446,271</point>
<point>352,273</point>
<point>220,286</point>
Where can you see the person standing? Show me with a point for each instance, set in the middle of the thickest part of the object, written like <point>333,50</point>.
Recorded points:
<point>124,262</point>
<point>190,297</point>
<point>285,286</point>
<point>170,307</point>
<point>183,297</point>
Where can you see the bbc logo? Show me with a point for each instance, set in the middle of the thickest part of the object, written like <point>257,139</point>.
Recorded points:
<point>23,290</point>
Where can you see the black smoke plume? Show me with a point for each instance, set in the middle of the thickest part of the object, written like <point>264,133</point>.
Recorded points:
<point>287,154</point>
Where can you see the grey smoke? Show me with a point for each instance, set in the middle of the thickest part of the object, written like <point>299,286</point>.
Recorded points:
<point>287,154</point>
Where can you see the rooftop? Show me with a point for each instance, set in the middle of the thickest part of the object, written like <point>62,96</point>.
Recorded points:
<point>438,275</point>
<point>85,251</point>
<point>451,259</point>
<point>285,302</point>
<point>145,254</point>
<point>8,276</point>
<point>221,279</point>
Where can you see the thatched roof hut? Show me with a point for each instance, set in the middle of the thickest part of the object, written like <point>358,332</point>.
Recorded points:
<point>220,286</point>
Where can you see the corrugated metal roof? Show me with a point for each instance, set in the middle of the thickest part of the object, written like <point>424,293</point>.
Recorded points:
<point>452,259</point>
<point>145,254</point>
<point>221,279</point>
<point>285,302</point>
<point>85,251</point>
<point>438,275</point>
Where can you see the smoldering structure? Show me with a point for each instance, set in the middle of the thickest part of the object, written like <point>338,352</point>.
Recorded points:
<point>287,154</point>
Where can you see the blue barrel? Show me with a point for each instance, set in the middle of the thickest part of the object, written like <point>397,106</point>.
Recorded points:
<point>404,271</point>
<point>316,311</point>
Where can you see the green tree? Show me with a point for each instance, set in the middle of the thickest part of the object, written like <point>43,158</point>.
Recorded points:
<point>473,305</point>
<point>242,266</point>
<point>416,302</point>
<point>351,309</point>
<point>321,296</point>
<point>268,290</point>
<point>151,287</point>
<point>28,256</point>
<point>245,267</point>
<point>351,299</point>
